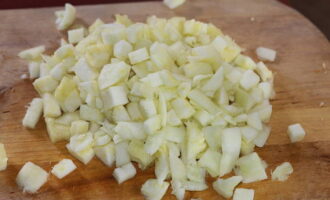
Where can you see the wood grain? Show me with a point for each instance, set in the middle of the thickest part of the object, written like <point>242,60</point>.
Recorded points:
<point>301,84</point>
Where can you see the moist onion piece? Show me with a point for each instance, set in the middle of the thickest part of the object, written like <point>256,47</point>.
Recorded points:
<point>282,172</point>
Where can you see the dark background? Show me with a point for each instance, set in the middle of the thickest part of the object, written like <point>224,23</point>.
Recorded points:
<point>318,11</point>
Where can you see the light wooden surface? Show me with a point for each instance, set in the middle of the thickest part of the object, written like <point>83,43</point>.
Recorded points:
<point>301,84</point>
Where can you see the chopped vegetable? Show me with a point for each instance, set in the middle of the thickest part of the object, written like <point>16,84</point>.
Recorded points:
<point>261,138</point>
<point>173,3</point>
<point>50,106</point>
<point>282,172</point>
<point>210,160</point>
<point>225,187</point>
<point>33,113</point>
<point>124,172</point>
<point>80,146</point>
<point>243,194</point>
<point>266,54</point>
<point>138,56</point>
<point>65,18</point>
<point>57,131</point>
<point>106,153</point>
<point>154,190</point>
<point>31,177</point>
<point>231,146</point>
<point>136,150</point>
<point>78,127</point>
<point>114,96</point>
<point>63,168</point>
<point>76,35</point>
<point>3,157</point>
<point>195,186</point>
<point>251,168</point>
<point>122,156</point>
<point>296,133</point>
<point>249,79</point>
<point>32,54</point>
<point>45,84</point>
<point>34,70</point>
<point>173,92</point>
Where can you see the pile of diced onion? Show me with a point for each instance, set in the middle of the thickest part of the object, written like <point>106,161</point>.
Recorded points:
<point>172,93</point>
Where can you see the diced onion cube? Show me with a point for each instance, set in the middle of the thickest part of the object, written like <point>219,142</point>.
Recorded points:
<point>182,108</point>
<point>80,146</point>
<point>78,127</point>
<point>219,43</point>
<point>153,143</point>
<point>173,3</point>
<point>162,167</point>
<point>45,84</point>
<point>245,62</point>
<point>173,119</point>
<point>84,156</point>
<point>124,172</point>
<point>89,113</point>
<point>106,153</point>
<point>63,168</point>
<point>249,133</point>
<point>122,49</point>
<point>195,186</point>
<point>31,177</point>
<point>197,68</point>
<point>57,131</point>
<point>203,117</point>
<point>33,53</point>
<point>250,167</point>
<point>254,120</point>
<point>34,70</point>
<point>152,189</point>
<point>195,173</point>
<point>231,146</point>
<point>122,156</point>
<point>130,130</point>
<point>33,113</point>
<point>267,89</point>
<point>148,107</point>
<point>266,54</point>
<point>138,56</point>
<point>50,106</point>
<point>115,96</point>
<point>113,73</point>
<point>264,72</point>
<point>243,194</point>
<point>296,133</point>
<point>119,113</point>
<point>210,160</point>
<point>66,18</point>
<point>76,35</point>
<point>262,136</point>
<point>225,187</point>
<point>134,111</point>
<point>152,124</point>
<point>249,79</point>
<point>203,101</point>
<point>84,71</point>
<point>282,172</point>
<point>138,154</point>
<point>247,147</point>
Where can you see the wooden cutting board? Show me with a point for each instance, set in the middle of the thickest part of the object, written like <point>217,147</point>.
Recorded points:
<point>301,84</point>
